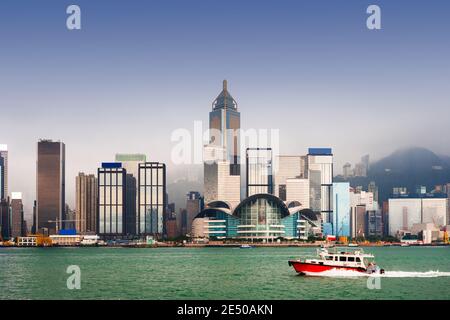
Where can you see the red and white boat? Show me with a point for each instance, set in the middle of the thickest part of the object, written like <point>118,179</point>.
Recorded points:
<point>337,259</point>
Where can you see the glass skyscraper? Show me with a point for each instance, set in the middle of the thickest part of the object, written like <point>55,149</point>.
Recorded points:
<point>111,200</point>
<point>3,171</point>
<point>259,171</point>
<point>50,186</point>
<point>341,209</point>
<point>151,198</point>
<point>224,125</point>
<point>320,160</point>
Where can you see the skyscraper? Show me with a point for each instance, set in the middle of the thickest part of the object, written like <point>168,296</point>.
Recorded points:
<point>320,160</point>
<point>3,171</point>
<point>288,167</point>
<point>131,163</point>
<point>194,204</point>
<point>224,125</point>
<point>50,186</point>
<point>341,209</point>
<point>111,221</point>
<point>86,203</point>
<point>5,219</point>
<point>222,170</point>
<point>152,200</point>
<point>347,170</point>
<point>259,177</point>
<point>17,224</point>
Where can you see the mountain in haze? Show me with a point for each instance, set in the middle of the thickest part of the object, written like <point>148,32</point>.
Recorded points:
<point>408,167</point>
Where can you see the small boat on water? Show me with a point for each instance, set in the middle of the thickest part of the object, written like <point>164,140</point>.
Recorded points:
<point>336,259</point>
<point>352,244</point>
<point>245,246</point>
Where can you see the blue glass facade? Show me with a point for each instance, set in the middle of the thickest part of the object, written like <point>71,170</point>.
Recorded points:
<point>341,209</point>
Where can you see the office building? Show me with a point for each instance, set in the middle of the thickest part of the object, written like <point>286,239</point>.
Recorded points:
<point>5,219</point>
<point>298,190</point>
<point>320,167</point>
<point>86,203</point>
<point>224,125</point>
<point>373,188</point>
<point>3,171</point>
<point>152,199</point>
<point>131,163</point>
<point>50,186</point>
<point>360,203</point>
<point>347,170</point>
<point>259,177</point>
<point>341,209</point>
<point>374,223</point>
<point>288,167</point>
<point>222,180</point>
<point>407,210</point>
<point>111,220</point>
<point>70,222</point>
<point>17,222</point>
<point>219,184</point>
<point>194,204</point>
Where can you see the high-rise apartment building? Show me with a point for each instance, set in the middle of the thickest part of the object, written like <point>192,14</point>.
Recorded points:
<point>152,199</point>
<point>259,176</point>
<point>111,221</point>
<point>320,163</point>
<point>86,203</point>
<point>17,222</point>
<point>50,186</point>
<point>3,171</point>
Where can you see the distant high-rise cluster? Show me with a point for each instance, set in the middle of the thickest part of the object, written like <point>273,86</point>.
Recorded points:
<point>361,169</point>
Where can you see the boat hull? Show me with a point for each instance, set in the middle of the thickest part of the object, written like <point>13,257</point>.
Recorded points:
<point>305,268</point>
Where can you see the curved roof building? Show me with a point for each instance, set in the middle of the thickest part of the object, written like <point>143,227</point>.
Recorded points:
<point>260,216</point>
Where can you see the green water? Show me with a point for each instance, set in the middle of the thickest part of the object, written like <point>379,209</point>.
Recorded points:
<point>212,273</point>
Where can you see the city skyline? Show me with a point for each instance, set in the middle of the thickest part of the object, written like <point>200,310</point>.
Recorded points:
<point>326,70</point>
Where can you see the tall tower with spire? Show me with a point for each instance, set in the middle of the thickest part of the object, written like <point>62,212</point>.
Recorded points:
<point>222,154</point>
<point>224,125</point>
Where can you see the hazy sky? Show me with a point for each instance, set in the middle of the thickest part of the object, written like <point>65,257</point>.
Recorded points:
<point>137,70</point>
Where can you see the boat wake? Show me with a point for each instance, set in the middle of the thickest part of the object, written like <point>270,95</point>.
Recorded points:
<point>412,274</point>
<point>334,273</point>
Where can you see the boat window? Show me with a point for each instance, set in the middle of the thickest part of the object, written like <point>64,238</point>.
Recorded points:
<point>329,257</point>
<point>351,259</point>
<point>342,258</point>
<point>358,259</point>
<point>335,258</point>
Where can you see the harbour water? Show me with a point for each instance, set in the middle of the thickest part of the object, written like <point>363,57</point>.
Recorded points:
<point>214,273</point>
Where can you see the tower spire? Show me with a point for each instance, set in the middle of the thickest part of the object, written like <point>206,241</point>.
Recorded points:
<point>225,85</point>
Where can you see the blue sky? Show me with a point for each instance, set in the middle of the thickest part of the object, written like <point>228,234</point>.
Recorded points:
<point>137,70</point>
